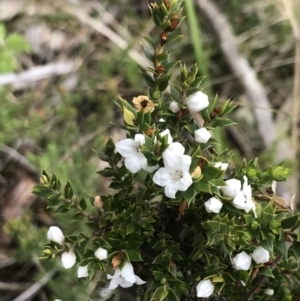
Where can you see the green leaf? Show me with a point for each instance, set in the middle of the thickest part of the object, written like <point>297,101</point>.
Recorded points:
<point>172,295</point>
<point>296,250</point>
<point>281,247</point>
<point>290,222</point>
<point>202,186</point>
<point>134,255</point>
<point>148,79</point>
<point>68,191</point>
<point>175,92</point>
<point>83,204</point>
<point>266,271</point>
<point>130,228</point>
<point>160,294</point>
<point>189,194</point>
<point>149,53</point>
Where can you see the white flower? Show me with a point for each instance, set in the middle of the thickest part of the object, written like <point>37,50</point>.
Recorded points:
<point>175,175</point>
<point>232,188</point>
<point>101,253</point>
<point>197,102</point>
<point>268,291</point>
<point>205,288</point>
<point>55,234</point>
<point>174,107</point>
<point>242,261</point>
<point>68,259</point>
<point>202,135</point>
<point>82,271</point>
<point>243,199</point>
<point>221,165</point>
<point>161,120</point>
<point>213,205</point>
<point>124,277</point>
<point>261,255</point>
<point>130,150</point>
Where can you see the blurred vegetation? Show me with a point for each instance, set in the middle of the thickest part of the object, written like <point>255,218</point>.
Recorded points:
<point>57,122</point>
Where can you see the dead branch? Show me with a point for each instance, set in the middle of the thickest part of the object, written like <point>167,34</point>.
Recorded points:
<point>21,80</point>
<point>100,27</point>
<point>242,70</point>
<point>32,290</point>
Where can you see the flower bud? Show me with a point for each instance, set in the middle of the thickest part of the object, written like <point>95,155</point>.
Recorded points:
<point>98,203</point>
<point>242,261</point>
<point>222,166</point>
<point>174,107</point>
<point>197,102</point>
<point>202,135</point>
<point>82,272</point>
<point>254,225</point>
<point>213,205</point>
<point>101,253</point>
<point>232,188</point>
<point>205,288</point>
<point>268,291</point>
<point>261,255</point>
<point>279,173</point>
<point>197,173</point>
<point>68,259</point>
<point>55,234</point>
<point>168,134</point>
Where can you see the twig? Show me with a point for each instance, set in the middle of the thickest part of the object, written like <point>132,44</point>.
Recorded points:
<point>104,30</point>
<point>12,286</point>
<point>15,155</point>
<point>21,80</point>
<point>242,70</point>
<point>32,290</point>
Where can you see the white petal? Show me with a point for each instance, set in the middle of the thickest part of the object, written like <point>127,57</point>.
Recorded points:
<point>185,182</point>
<point>124,283</point>
<point>174,149</point>
<point>172,162</point>
<point>232,188</point>
<point>101,253</point>
<point>126,147</point>
<point>174,107</point>
<point>135,162</point>
<point>261,255</point>
<point>114,282</point>
<point>171,189</point>
<point>221,165</point>
<point>268,292</point>
<point>162,177</point>
<point>242,261</point>
<point>82,271</point>
<point>140,139</point>
<point>68,259</point>
<point>213,205</point>
<point>197,102</point>
<point>139,281</point>
<point>202,135</point>
<point>167,132</point>
<point>185,163</point>
<point>127,272</point>
<point>205,288</point>
<point>55,234</point>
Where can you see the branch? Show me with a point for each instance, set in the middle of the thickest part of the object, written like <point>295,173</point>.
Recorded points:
<point>98,26</point>
<point>260,281</point>
<point>32,290</point>
<point>242,70</point>
<point>21,80</point>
